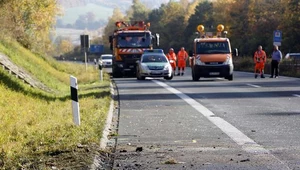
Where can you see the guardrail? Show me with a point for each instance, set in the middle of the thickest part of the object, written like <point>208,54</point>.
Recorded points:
<point>20,73</point>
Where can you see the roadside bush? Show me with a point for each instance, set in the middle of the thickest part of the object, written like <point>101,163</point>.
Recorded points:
<point>286,68</point>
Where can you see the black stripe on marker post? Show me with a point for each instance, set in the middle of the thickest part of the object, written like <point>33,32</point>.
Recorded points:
<point>74,94</point>
<point>74,97</point>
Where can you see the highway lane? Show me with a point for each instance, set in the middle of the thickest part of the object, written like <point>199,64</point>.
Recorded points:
<point>246,123</point>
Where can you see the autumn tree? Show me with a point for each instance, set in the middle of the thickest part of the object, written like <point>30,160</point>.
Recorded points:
<point>190,9</point>
<point>239,15</point>
<point>63,45</point>
<point>222,10</point>
<point>252,23</point>
<point>110,27</point>
<point>290,26</point>
<point>203,15</point>
<point>138,11</point>
<point>29,22</point>
<point>168,20</point>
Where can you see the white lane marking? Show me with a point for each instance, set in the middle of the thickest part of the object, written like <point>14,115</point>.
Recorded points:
<point>253,85</point>
<point>296,95</point>
<point>236,135</point>
<point>226,127</point>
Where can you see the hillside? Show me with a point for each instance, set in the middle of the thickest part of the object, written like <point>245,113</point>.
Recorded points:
<point>110,3</point>
<point>102,9</point>
<point>37,130</point>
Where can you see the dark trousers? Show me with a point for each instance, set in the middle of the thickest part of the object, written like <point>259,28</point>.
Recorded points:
<point>274,67</point>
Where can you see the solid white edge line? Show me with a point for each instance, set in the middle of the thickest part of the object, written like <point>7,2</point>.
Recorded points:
<point>253,85</point>
<point>296,95</point>
<point>104,138</point>
<point>236,135</point>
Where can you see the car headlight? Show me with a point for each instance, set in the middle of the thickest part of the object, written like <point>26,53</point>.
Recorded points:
<point>120,65</point>
<point>167,67</point>
<point>198,61</point>
<point>144,67</point>
<point>228,60</point>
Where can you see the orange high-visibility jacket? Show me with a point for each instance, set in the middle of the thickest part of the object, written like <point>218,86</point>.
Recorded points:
<point>260,57</point>
<point>172,56</point>
<point>182,57</point>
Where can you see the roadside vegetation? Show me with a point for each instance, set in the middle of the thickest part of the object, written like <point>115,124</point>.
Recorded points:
<point>37,129</point>
<point>248,23</point>
<point>288,67</point>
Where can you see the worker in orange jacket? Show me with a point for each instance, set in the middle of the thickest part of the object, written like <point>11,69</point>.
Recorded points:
<point>260,59</point>
<point>172,59</point>
<point>181,57</point>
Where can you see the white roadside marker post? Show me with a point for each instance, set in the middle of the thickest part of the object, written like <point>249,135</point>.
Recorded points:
<point>74,97</point>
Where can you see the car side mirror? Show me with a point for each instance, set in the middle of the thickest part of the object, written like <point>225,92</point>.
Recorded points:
<point>235,52</point>
<point>137,61</point>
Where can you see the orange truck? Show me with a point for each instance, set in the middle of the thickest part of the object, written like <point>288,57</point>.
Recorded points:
<point>212,55</point>
<point>127,43</point>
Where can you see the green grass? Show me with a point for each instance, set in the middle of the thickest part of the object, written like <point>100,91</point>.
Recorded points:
<point>37,128</point>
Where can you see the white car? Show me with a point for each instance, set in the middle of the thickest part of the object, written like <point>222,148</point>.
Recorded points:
<point>154,63</point>
<point>106,60</point>
<point>292,56</point>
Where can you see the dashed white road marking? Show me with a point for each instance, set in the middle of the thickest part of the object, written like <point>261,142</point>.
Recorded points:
<point>296,95</point>
<point>236,135</point>
<point>253,85</point>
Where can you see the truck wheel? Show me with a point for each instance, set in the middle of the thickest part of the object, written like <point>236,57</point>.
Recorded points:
<point>116,74</point>
<point>195,76</point>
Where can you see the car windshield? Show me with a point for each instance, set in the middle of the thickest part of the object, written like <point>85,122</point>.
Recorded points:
<point>212,48</point>
<point>106,57</point>
<point>141,40</point>
<point>154,58</point>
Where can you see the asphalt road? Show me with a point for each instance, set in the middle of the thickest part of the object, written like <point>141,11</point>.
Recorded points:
<point>213,123</point>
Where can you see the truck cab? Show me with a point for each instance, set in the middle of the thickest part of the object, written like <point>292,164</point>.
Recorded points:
<point>212,55</point>
<point>127,43</point>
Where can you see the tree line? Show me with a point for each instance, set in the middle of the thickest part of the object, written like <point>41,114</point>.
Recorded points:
<point>29,22</point>
<point>249,23</point>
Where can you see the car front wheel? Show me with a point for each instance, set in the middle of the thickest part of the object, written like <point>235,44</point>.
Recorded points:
<point>139,77</point>
<point>230,77</point>
<point>169,78</point>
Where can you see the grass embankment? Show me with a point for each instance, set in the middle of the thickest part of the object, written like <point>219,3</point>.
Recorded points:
<point>287,67</point>
<point>36,127</point>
